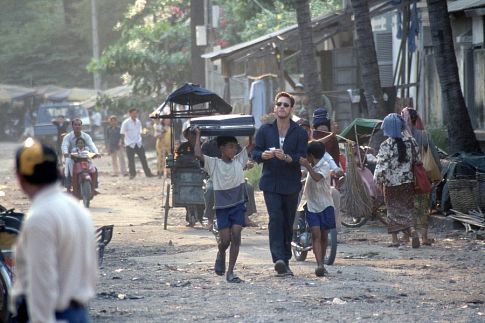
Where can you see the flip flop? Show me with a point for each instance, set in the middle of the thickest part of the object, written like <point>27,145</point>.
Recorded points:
<point>220,265</point>
<point>231,278</point>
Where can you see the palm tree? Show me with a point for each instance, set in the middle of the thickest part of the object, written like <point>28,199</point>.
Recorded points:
<point>369,70</point>
<point>310,71</point>
<point>460,132</point>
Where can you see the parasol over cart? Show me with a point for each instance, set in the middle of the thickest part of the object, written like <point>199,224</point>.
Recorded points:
<point>187,178</point>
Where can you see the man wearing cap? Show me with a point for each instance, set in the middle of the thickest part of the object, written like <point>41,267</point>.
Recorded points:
<point>68,143</point>
<point>131,132</point>
<point>55,254</point>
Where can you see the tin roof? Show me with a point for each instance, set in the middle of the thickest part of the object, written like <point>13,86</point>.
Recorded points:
<point>460,5</point>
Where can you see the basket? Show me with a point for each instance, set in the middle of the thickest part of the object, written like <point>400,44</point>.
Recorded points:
<point>481,190</point>
<point>463,194</point>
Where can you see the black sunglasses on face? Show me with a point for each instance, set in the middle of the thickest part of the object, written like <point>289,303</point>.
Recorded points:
<point>279,104</point>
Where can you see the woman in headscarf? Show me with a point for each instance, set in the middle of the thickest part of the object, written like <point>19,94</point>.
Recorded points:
<point>415,128</point>
<point>395,175</point>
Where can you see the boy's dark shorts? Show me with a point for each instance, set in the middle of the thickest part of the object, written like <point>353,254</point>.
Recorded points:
<point>325,219</point>
<point>226,218</point>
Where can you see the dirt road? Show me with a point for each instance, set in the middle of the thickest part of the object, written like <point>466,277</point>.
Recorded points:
<point>152,275</point>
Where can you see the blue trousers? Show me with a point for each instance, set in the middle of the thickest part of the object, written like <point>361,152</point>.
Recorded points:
<point>74,315</point>
<point>281,209</point>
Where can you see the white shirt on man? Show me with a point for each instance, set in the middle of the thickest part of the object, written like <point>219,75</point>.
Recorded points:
<point>131,129</point>
<point>55,255</point>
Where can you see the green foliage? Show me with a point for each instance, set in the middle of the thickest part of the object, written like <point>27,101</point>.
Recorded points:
<point>40,47</point>
<point>440,137</point>
<point>253,175</point>
<point>153,52</point>
<point>246,20</point>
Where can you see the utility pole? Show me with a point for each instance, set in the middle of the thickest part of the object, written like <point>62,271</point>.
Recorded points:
<point>94,25</point>
<point>197,21</point>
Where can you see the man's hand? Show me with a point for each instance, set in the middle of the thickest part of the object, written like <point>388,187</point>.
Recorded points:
<point>267,154</point>
<point>279,153</point>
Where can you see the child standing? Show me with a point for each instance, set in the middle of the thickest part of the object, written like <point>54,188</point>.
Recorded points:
<point>114,146</point>
<point>319,202</point>
<point>230,197</point>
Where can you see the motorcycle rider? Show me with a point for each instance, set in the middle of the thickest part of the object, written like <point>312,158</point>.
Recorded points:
<point>69,143</point>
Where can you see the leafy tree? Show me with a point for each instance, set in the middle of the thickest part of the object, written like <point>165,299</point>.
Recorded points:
<point>40,45</point>
<point>153,52</point>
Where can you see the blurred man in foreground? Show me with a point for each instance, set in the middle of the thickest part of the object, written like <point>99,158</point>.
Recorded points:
<point>55,255</point>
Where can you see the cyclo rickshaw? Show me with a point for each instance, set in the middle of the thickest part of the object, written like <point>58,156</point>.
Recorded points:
<point>187,178</point>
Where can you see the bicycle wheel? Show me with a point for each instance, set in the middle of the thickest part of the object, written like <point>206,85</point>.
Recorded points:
<point>353,222</point>
<point>300,255</point>
<point>86,192</point>
<point>331,247</point>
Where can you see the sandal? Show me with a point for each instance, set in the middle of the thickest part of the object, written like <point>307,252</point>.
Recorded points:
<point>394,245</point>
<point>231,278</point>
<point>220,265</point>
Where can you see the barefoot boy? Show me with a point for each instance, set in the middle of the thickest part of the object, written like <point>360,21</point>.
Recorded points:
<point>229,198</point>
<point>319,203</point>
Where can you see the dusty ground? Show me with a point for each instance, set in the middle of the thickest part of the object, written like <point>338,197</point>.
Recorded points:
<point>152,275</point>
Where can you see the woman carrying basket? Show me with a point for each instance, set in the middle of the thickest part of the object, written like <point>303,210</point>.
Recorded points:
<point>415,128</point>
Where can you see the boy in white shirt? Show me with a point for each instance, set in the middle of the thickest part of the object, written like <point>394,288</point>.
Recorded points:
<point>319,207</point>
<point>230,198</point>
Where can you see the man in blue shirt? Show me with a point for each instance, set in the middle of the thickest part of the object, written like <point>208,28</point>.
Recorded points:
<point>279,146</point>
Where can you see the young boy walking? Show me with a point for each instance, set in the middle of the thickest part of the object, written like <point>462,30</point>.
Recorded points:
<point>230,198</point>
<point>319,207</point>
<point>114,142</point>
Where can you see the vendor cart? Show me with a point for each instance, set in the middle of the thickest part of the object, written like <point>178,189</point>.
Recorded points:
<point>187,178</point>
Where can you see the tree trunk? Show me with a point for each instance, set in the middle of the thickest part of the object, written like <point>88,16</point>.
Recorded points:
<point>369,70</point>
<point>309,65</point>
<point>460,132</point>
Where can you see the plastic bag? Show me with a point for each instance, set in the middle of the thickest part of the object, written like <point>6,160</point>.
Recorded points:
<point>429,164</point>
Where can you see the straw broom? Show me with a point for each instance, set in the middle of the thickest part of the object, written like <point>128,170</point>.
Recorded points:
<point>356,201</point>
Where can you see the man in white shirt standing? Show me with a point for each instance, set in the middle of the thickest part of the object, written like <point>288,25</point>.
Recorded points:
<point>131,131</point>
<point>55,255</point>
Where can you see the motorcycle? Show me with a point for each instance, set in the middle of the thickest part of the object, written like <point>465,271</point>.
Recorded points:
<point>10,223</point>
<point>302,241</point>
<point>83,183</point>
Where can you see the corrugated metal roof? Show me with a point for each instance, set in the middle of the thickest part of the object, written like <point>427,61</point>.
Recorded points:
<point>460,5</point>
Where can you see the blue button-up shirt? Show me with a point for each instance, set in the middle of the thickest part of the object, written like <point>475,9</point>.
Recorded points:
<point>279,176</point>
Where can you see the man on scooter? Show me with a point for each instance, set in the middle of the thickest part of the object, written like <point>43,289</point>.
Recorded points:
<point>68,143</point>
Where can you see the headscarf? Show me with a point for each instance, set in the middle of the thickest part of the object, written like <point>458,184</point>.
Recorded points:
<point>408,124</point>
<point>320,118</point>
<point>393,125</point>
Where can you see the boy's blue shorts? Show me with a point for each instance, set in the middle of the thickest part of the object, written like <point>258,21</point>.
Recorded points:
<point>325,219</point>
<point>226,218</point>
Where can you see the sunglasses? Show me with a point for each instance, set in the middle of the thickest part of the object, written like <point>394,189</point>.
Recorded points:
<point>279,104</point>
